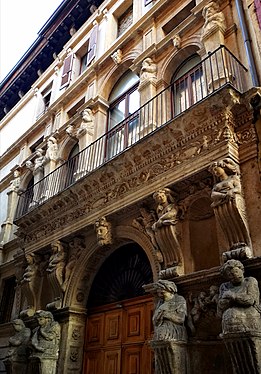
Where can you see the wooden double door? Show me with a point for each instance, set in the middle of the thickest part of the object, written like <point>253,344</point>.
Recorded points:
<point>117,338</point>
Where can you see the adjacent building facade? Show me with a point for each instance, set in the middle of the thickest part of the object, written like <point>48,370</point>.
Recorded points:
<point>130,153</point>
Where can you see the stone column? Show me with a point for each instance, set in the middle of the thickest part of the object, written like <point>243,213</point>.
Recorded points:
<point>72,340</point>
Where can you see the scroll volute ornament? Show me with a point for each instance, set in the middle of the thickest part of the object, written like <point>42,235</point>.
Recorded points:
<point>165,229</point>
<point>229,208</point>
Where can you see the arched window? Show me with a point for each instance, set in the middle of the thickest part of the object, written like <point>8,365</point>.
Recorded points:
<point>188,84</point>
<point>123,116</point>
<point>72,166</point>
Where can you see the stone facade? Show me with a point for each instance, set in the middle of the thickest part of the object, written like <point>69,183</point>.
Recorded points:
<point>176,176</point>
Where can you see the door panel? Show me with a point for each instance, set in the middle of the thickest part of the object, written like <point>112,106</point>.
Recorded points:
<point>117,338</point>
<point>135,330</point>
<point>93,363</point>
<point>113,323</point>
<point>112,362</point>
<point>95,330</point>
<point>132,360</point>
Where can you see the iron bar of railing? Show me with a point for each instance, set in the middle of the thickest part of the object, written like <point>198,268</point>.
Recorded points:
<point>216,70</point>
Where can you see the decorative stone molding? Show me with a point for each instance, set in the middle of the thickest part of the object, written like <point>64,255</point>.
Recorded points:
<point>103,231</point>
<point>117,56</point>
<point>176,40</point>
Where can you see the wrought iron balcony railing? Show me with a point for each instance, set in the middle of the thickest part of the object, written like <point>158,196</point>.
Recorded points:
<point>220,68</point>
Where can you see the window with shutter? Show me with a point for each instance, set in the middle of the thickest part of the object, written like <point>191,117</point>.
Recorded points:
<point>67,71</point>
<point>92,45</point>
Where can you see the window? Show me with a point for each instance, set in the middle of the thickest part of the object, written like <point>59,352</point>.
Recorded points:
<point>125,101</point>
<point>67,71</point>
<point>87,53</point>
<point>188,86</point>
<point>125,20</point>
<point>7,300</point>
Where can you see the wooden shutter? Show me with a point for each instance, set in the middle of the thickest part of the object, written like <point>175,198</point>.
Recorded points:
<point>67,71</point>
<point>92,44</point>
<point>147,2</point>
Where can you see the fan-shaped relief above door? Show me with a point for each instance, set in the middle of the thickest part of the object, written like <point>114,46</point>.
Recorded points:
<point>121,276</point>
<point>203,234</point>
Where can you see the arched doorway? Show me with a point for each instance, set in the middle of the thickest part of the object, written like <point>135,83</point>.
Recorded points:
<point>119,323</point>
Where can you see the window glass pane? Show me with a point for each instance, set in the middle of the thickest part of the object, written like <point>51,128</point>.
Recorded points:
<point>126,81</point>
<point>134,101</point>
<point>117,114</point>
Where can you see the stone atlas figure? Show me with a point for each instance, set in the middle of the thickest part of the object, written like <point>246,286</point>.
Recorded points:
<point>238,305</point>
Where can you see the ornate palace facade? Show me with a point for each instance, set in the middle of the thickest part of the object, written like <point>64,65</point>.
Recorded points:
<point>130,160</point>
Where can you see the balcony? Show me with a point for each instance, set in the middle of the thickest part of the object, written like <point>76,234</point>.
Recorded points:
<point>219,69</point>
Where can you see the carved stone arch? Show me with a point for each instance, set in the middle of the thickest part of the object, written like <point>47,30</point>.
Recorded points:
<point>90,261</point>
<point>114,74</point>
<point>177,57</point>
<point>25,179</point>
<point>66,147</point>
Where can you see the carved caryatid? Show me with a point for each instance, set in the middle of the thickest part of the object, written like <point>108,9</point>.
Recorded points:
<point>148,70</point>
<point>165,228</point>
<point>229,207</point>
<point>238,304</point>
<point>144,223</point>
<point>31,283</point>
<point>170,335</point>
<point>103,231</point>
<point>37,168</point>
<point>76,246</point>
<point>56,271</point>
<point>45,343</point>
<point>213,18</point>
<point>17,355</point>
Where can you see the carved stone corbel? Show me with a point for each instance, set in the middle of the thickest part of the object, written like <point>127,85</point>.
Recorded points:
<point>103,231</point>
